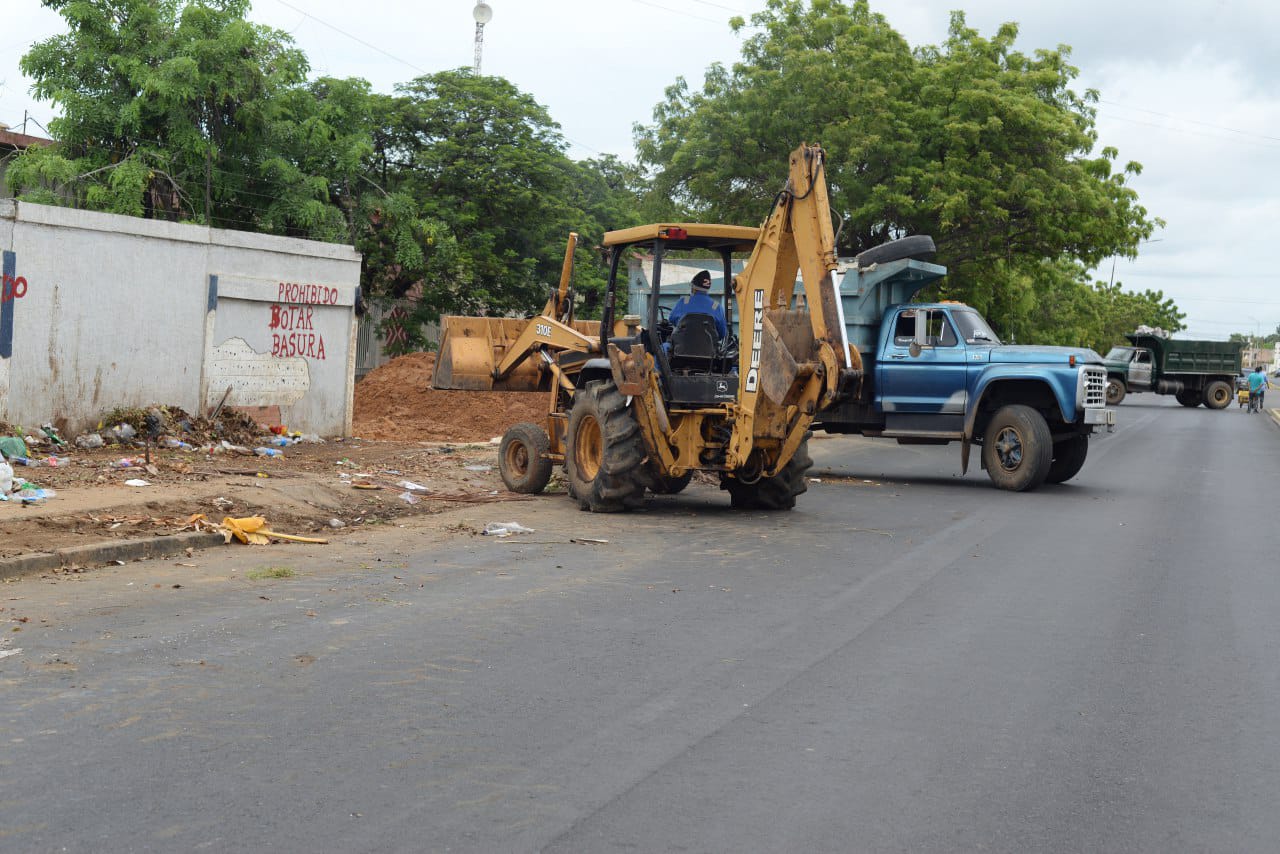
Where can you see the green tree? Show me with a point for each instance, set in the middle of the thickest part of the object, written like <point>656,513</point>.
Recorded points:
<point>487,162</point>
<point>165,105</point>
<point>985,148</point>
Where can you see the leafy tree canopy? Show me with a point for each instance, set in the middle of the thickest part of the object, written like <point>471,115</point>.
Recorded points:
<point>164,106</point>
<point>984,147</point>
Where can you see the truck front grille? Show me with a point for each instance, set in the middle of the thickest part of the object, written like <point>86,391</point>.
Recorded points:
<point>1095,387</point>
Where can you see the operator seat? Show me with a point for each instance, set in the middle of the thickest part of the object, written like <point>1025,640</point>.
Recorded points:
<point>694,343</point>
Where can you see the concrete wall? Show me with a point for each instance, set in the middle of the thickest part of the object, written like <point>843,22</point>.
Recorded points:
<point>101,311</point>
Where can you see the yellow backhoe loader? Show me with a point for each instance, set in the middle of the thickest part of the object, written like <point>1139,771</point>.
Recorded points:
<point>634,404</point>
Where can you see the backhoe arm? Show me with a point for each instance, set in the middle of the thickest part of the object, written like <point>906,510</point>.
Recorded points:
<point>793,360</point>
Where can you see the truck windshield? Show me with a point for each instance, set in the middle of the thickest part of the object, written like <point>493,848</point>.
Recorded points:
<point>973,329</point>
<point>1120,354</point>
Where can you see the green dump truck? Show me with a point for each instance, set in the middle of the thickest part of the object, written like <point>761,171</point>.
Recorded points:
<point>1194,372</point>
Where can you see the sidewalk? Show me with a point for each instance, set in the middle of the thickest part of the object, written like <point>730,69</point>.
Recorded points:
<point>324,491</point>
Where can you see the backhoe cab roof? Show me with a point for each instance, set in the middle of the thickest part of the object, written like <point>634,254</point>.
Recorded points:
<point>688,235</point>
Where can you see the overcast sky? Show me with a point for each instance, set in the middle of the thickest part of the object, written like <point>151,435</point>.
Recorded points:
<point>1188,90</point>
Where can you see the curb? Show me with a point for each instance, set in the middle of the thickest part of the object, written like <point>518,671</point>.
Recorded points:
<point>101,553</point>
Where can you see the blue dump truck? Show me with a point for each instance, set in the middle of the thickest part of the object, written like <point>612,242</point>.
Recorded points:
<point>934,373</point>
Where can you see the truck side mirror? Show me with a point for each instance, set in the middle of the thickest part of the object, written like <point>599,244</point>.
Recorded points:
<point>915,349</point>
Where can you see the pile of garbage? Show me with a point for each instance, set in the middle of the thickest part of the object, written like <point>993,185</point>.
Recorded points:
<point>172,428</point>
<point>172,423</point>
<point>158,427</point>
<point>28,451</point>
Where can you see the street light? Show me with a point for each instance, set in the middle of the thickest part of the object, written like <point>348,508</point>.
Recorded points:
<point>483,14</point>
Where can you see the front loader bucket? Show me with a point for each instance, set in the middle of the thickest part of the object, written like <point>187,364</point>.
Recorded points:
<point>472,347</point>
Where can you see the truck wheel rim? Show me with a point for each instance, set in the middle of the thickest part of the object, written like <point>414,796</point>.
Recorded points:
<point>1009,449</point>
<point>588,446</point>
<point>517,458</point>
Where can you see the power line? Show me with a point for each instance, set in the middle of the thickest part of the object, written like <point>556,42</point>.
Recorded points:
<point>1189,121</point>
<point>417,68</point>
<point>1261,143</point>
<point>678,11</point>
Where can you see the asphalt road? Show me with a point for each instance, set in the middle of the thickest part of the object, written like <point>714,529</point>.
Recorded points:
<point>910,661</point>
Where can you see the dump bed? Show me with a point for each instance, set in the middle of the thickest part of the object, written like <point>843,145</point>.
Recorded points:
<point>1174,356</point>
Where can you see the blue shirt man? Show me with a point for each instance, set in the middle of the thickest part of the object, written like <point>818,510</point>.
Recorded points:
<point>699,301</point>
<point>1258,381</point>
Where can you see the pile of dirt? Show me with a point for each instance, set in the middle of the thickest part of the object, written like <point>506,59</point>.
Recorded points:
<point>396,401</point>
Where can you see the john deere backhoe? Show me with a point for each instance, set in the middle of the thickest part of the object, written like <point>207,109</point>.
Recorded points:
<point>634,404</point>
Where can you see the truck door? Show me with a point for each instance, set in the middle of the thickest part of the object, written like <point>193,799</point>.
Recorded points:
<point>934,382</point>
<point>1140,369</point>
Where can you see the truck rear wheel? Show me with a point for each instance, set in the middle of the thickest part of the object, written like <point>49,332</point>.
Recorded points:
<point>1115,391</point>
<point>522,458</point>
<point>1190,398</point>
<point>772,493</point>
<point>1068,458</point>
<point>1017,448</point>
<point>1217,395</point>
<point>604,457</point>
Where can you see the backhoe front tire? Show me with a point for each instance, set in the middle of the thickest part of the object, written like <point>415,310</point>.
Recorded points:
<point>522,458</point>
<point>1068,458</point>
<point>1115,391</point>
<point>772,493</point>
<point>1017,448</point>
<point>604,453</point>
<point>1217,395</point>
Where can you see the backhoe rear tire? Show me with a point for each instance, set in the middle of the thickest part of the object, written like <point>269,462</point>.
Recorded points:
<point>604,453</point>
<point>1217,395</point>
<point>1068,458</point>
<point>522,458</point>
<point>1017,448</point>
<point>660,484</point>
<point>772,493</point>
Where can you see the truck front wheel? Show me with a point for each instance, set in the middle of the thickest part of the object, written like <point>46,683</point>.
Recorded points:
<point>1068,459</point>
<point>1017,448</point>
<point>1115,391</point>
<point>1217,395</point>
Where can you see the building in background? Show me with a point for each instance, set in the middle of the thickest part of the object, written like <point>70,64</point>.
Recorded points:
<point>11,145</point>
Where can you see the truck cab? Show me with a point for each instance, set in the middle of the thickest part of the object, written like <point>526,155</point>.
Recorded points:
<point>1134,363</point>
<point>935,373</point>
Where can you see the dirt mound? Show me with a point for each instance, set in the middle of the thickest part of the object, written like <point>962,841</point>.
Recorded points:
<point>396,401</point>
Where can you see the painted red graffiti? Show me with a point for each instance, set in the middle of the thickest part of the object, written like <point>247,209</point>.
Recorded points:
<point>308,345</point>
<point>11,288</point>
<point>294,333</point>
<point>316,294</point>
<point>290,317</point>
